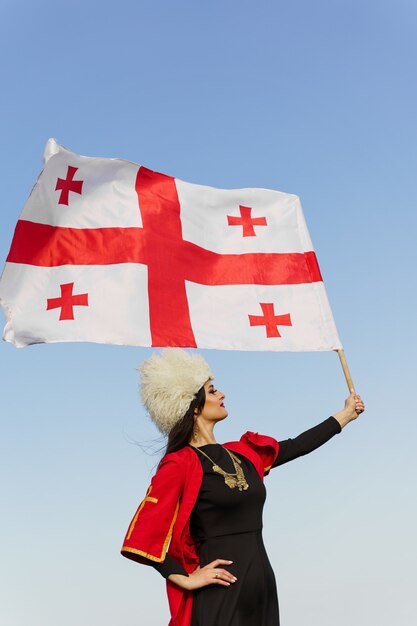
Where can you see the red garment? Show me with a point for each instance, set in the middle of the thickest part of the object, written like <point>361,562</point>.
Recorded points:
<point>163,517</point>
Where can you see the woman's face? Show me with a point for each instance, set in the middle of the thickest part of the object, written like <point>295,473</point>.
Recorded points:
<point>214,409</point>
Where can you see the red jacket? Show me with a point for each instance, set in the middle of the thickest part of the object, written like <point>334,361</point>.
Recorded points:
<point>162,521</point>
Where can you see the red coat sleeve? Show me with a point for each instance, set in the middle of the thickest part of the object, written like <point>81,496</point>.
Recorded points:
<point>150,530</point>
<point>266,448</point>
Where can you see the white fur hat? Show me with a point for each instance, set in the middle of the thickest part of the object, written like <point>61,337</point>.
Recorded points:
<point>169,383</point>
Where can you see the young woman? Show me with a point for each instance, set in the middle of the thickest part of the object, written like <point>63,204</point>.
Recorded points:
<point>200,523</point>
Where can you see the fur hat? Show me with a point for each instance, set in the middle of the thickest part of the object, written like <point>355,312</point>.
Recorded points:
<point>169,383</point>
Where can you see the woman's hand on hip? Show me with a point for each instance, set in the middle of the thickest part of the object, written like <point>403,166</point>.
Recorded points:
<point>354,406</point>
<point>211,574</point>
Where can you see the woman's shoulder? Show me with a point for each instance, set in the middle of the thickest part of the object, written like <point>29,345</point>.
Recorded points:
<point>262,450</point>
<point>255,439</point>
<point>181,457</point>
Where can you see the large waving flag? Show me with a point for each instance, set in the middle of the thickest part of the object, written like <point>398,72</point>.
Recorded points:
<point>112,252</point>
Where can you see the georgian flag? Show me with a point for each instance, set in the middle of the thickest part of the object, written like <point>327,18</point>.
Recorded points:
<point>112,252</point>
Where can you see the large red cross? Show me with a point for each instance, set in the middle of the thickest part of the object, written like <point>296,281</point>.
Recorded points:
<point>246,221</point>
<point>170,259</point>
<point>67,301</point>
<point>68,184</point>
<point>270,320</point>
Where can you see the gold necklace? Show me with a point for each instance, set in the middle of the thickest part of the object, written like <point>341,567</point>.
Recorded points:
<point>237,479</point>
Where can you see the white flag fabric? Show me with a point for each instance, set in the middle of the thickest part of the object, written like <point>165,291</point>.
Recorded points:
<point>111,252</point>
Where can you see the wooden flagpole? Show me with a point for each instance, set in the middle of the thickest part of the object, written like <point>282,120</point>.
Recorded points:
<point>345,368</point>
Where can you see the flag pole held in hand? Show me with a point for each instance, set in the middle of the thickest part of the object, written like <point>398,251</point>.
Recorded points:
<point>345,368</point>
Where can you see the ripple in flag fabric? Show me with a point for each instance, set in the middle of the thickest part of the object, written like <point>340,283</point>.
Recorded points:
<point>108,251</point>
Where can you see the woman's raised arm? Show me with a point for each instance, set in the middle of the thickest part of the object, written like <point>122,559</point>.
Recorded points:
<point>311,439</point>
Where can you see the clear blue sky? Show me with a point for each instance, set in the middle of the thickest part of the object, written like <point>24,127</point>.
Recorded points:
<point>313,98</point>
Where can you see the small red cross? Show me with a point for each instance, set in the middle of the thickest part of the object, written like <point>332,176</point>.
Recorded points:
<point>246,221</point>
<point>68,184</point>
<point>67,301</point>
<point>270,320</point>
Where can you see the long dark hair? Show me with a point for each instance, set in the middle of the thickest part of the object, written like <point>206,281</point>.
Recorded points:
<point>180,434</point>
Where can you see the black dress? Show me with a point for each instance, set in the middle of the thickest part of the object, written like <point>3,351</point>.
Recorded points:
<point>227,523</point>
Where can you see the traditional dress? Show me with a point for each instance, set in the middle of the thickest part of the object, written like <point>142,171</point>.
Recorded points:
<point>190,508</point>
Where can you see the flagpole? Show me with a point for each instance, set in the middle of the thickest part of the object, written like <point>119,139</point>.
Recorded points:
<point>345,368</point>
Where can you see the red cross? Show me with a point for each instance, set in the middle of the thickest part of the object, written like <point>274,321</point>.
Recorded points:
<point>246,221</point>
<point>270,320</point>
<point>169,258</point>
<point>68,184</point>
<point>67,301</point>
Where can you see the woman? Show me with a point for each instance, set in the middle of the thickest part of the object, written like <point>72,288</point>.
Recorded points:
<point>200,523</point>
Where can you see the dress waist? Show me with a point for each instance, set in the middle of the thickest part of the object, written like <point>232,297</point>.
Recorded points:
<point>206,537</point>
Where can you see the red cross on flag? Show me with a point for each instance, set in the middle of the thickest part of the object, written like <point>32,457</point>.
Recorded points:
<point>111,252</point>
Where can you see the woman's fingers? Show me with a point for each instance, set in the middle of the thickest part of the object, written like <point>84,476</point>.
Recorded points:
<point>209,576</point>
<point>217,562</point>
<point>355,402</point>
<point>359,405</point>
<point>222,574</point>
<point>218,575</point>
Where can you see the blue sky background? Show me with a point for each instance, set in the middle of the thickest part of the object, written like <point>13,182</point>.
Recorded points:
<point>314,98</point>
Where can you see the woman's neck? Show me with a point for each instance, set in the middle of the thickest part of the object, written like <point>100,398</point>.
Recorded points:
<point>205,436</point>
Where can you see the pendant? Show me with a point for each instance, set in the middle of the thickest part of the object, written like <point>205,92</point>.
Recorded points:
<point>230,481</point>
<point>238,481</point>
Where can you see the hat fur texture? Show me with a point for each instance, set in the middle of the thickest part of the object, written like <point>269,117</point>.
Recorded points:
<point>169,383</point>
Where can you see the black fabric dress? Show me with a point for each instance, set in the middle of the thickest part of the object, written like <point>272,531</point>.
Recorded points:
<point>227,523</point>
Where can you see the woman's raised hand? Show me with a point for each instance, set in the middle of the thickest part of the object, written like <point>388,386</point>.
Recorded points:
<point>210,574</point>
<point>354,406</point>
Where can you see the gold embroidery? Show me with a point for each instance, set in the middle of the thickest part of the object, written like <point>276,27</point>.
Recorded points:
<point>164,547</point>
<point>147,498</point>
<point>141,553</point>
<point>170,530</point>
